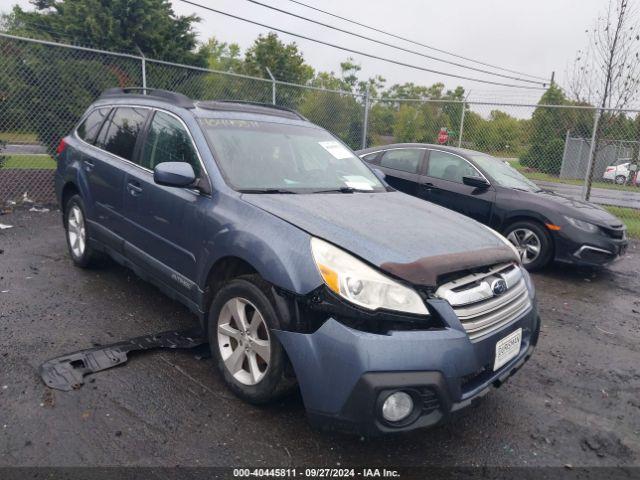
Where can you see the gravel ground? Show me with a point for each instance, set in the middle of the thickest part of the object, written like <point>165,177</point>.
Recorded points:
<point>576,402</point>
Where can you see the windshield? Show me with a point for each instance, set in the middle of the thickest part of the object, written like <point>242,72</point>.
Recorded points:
<point>504,174</point>
<point>268,157</point>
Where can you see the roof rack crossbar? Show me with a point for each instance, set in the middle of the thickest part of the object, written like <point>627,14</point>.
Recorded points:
<point>174,98</point>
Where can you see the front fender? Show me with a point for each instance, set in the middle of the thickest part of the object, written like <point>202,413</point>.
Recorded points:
<point>279,251</point>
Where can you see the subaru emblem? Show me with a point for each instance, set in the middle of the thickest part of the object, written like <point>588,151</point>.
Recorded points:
<point>498,287</point>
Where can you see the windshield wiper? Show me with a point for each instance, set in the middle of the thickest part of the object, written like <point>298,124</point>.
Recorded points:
<point>342,190</point>
<point>265,190</point>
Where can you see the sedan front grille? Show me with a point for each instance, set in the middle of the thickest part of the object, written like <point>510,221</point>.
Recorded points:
<point>481,301</point>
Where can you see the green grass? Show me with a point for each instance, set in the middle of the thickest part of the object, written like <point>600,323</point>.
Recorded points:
<point>18,137</point>
<point>630,217</point>
<point>531,174</point>
<point>26,162</point>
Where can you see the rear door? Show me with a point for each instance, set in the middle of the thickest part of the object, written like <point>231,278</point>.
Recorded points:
<point>163,222</point>
<point>401,167</point>
<point>443,184</point>
<point>116,143</point>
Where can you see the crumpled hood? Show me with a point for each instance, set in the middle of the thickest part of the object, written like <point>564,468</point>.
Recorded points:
<point>409,238</point>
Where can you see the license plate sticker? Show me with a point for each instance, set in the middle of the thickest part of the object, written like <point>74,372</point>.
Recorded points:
<point>507,348</point>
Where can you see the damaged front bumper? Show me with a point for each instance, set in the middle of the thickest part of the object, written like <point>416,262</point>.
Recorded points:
<point>343,373</point>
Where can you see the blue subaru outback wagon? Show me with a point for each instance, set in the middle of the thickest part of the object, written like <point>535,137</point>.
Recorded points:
<point>305,268</point>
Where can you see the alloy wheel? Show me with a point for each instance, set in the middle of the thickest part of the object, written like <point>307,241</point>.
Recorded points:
<point>244,341</point>
<point>76,231</point>
<point>527,243</point>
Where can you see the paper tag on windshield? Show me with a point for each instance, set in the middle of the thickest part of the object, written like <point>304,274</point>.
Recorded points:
<point>358,182</point>
<point>336,149</point>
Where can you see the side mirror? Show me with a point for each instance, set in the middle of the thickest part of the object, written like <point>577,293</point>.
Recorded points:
<point>476,182</point>
<point>380,174</point>
<point>174,174</point>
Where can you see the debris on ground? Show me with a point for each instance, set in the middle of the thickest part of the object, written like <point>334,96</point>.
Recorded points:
<point>39,209</point>
<point>4,226</point>
<point>68,371</point>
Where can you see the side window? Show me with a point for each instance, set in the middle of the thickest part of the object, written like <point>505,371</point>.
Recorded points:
<point>88,130</point>
<point>121,130</point>
<point>449,167</point>
<point>371,158</point>
<point>168,141</point>
<point>406,160</point>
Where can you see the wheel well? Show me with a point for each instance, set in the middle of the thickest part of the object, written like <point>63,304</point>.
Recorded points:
<point>224,270</point>
<point>68,191</point>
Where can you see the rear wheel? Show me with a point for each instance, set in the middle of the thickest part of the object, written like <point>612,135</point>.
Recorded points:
<point>82,254</point>
<point>533,243</point>
<point>247,353</point>
<point>621,180</point>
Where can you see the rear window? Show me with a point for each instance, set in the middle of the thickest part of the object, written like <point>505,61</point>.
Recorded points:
<point>88,129</point>
<point>120,132</point>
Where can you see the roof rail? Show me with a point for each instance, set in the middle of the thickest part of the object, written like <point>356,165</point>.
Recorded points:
<point>172,97</point>
<point>245,106</point>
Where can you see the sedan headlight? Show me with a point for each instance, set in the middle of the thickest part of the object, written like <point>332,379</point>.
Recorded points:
<point>582,225</point>
<point>358,283</point>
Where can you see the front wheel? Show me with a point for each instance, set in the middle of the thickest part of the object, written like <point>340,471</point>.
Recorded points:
<point>247,353</point>
<point>621,180</point>
<point>533,243</point>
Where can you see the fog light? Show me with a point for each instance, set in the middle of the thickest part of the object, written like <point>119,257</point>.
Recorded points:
<point>397,407</point>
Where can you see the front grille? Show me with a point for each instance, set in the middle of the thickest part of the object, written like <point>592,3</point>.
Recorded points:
<point>480,309</point>
<point>615,231</point>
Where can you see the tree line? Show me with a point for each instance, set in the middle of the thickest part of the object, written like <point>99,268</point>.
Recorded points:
<point>58,84</point>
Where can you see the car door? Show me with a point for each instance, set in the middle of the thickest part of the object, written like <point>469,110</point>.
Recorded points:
<point>401,167</point>
<point>115,144</point>
<point>443,184</point>
<point>162,222</point>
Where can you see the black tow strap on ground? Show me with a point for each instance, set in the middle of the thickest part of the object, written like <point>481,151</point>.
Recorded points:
<point>68,371</point>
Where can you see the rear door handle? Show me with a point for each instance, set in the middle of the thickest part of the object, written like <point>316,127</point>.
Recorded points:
<point>427,186</point>
<point>134,188</point>
<point>88,165</point>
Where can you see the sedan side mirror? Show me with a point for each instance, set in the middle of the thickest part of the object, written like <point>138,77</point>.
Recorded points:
<point>476,182</point>
<point>174,174</point>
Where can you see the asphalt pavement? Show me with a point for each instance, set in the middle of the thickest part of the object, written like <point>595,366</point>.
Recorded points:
<point>576,403</point>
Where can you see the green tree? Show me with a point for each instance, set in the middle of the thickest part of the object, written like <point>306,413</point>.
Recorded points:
<point>285,61</point>
<point>409,125</point>
<point>548,130</point>
<point>118,25</point>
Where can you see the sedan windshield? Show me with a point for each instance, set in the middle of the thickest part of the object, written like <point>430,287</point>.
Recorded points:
<point>504,174</point>
<point>268,157</point>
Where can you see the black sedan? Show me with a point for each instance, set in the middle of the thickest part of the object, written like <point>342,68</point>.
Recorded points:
<point>543,225</point>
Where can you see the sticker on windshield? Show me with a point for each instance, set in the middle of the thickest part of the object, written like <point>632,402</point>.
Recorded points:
<point>358,182</point>
<point>336,149</point>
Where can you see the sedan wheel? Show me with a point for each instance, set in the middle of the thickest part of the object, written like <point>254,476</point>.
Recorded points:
<point>244,341</point>
<point>621,180</point>
<point>527,243</point>
<point>76,231</point>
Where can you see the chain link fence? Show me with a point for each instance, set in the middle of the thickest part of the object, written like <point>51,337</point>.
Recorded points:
<point>578,151</point>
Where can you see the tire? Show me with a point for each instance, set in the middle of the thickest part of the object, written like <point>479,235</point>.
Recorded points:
<point>525,235</point>
<point>77,233</point>
<point>248,374</point>
<point>621,180</point>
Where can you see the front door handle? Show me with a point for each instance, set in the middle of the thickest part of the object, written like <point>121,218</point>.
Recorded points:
<point>88,165</point>
<point>134,188</point>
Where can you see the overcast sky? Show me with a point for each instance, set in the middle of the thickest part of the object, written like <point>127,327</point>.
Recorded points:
<point>535,37</point>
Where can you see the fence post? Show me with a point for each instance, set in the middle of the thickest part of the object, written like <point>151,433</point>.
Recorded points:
<point>273,86</point>
<point>464,107</point>
<point>365,122</point>
<point>144,70</point>
<point>586,189</point>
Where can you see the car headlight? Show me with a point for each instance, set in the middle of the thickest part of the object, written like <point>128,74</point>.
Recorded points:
<point>358,283</point>
<point>582,225</point>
